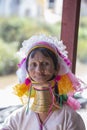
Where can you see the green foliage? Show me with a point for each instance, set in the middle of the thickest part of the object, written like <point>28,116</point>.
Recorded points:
<point>82,41</point>
<point>8,59</point>
<point>15,30</point>
<point>10,30</point>
<point>82,51</point>
<point>83,28</point>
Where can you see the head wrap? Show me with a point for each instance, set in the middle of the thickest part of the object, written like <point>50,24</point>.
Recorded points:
<point>68,84</point>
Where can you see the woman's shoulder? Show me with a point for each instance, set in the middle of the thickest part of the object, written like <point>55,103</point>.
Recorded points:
<point>22,111</point>
<point>17,119</point>
<point>67,111</point>
<point>18,111</point>
<point>19,114</point>
<point>66,108</point>
<point>71,117</point>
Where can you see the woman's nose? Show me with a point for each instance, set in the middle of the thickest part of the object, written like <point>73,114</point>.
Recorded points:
<point>38,68</point>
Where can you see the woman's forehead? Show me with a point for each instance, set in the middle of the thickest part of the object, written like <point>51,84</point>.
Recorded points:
<point>42,51</point>
<point>39,56</point>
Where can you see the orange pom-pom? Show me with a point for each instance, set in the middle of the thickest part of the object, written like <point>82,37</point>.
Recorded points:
<point>65,85</point>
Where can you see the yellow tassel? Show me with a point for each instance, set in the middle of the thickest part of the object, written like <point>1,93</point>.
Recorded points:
<point>65,86</point>
<point>21,89</point>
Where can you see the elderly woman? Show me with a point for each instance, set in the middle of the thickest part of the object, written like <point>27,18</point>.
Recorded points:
<point>44,73</point>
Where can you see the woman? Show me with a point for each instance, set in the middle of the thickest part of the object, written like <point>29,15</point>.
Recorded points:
<point>44,73</point>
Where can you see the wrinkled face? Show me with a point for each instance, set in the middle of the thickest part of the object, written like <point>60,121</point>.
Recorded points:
<point>41,68</point>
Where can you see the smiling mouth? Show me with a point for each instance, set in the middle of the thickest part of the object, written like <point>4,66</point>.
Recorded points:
<point>40,77</point>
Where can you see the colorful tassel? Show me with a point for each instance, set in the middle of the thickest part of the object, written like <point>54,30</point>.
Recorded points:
<point>21,89</point>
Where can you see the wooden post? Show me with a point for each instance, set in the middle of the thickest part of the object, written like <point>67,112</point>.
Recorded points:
<point>69,28</point>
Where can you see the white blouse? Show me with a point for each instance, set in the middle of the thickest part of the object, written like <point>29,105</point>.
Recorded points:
<point>62,119</point>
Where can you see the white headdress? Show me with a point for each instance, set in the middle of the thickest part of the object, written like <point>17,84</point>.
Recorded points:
<point>46,41</point>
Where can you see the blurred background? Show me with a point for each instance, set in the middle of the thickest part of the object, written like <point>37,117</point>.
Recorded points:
<point>19,20</point>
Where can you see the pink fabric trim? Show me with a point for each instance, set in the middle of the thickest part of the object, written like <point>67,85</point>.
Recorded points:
<point>21,63</point>
<point>73,103</point>
<point>66,60</point>
<point>74,81</point>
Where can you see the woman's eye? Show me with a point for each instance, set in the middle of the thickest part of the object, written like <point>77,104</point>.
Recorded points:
<point>33,64</point>
<point>45,63</point>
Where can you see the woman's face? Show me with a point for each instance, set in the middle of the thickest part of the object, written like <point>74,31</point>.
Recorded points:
<point>41,68</point>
